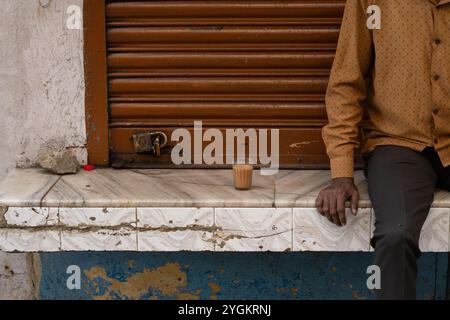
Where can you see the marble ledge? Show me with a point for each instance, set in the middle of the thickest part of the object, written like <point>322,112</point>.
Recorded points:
<point>300,188</point>
<point>109,188</point>
<point>158,188</point>
<point>200,229</point>
<point>26,187</point>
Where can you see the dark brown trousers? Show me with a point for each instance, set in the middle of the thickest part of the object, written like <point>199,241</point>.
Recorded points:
<point>401,187</point>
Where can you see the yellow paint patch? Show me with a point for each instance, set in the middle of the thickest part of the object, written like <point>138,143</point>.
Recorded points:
<point>215,289</point>
<point>294,291</point>
<point>169,280</point>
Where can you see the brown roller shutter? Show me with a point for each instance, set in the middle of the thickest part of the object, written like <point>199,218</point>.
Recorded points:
<point>230,64</point>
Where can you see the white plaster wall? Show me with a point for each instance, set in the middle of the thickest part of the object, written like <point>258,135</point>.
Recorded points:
<point>17,281</point>
<point>41,80</point>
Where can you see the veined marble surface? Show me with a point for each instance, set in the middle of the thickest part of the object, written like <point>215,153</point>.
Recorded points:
<point>253,229</point>
<point>173,188</point>
<point>192,210</point>
<point>158,188</point>
<point>199,229</point>
<point>441,199</point>
<point>175,229</point>
<point>21,240</point>
<point>313,232</point>
<point>435,236</point>
<point>31,217</point>
<point>300,188</point>
<point>123,239</point>
<point>26,187</point>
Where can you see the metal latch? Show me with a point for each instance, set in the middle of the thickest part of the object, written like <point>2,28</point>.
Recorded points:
<point>149,142</point>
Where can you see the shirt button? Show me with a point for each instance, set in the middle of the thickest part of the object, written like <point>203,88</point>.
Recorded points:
<point>436,141</point>
<point>436,77</point>
<point>437,41</point>
<point>435,111</point>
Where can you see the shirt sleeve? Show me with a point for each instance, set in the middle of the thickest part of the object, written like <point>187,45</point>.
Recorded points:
<point>347,89</point>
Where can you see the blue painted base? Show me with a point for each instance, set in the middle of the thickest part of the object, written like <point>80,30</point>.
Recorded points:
<point>225,275</point>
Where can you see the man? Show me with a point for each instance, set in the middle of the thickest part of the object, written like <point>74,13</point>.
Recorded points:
<point>394,82</point>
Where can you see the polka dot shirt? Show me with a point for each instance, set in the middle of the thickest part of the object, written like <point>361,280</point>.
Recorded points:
<point>391,78</point>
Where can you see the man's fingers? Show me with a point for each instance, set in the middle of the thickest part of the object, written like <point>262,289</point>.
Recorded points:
<point>333,210</point>
<point>355,202</point>
<point>331,201</point>
<point>341,209</point>
<point>326,207</point>
<point>319,204</point>
<point>318,200</point>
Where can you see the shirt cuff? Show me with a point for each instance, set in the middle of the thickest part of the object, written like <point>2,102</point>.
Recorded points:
<point>342,167</point>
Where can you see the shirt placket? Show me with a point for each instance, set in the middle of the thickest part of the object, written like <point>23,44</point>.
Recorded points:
<point>435,76</point>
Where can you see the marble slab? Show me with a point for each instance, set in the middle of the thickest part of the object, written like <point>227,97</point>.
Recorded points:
<point>31,216</point>
<point>171,188</point>
<point>25,187</point>
<point>173,218</point>
<point>158,188</point>
<point>194,210</point>
<point>313,232</point>
<point>123,239</point>
<point>21,240</point>
<point>103,217</point>
<point>253,229</point>
<point>435,233</point>
<point>175,229</point>
<point>300,188</point>
<point>441,199</point>
<point>178,240</point>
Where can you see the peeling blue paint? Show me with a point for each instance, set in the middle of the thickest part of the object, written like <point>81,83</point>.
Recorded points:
<point>239,275</point>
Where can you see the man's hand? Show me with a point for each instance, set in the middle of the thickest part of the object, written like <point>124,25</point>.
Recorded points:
<point>331,200</point>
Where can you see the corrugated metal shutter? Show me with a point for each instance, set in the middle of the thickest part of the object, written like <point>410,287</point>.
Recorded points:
<point>260,64</point>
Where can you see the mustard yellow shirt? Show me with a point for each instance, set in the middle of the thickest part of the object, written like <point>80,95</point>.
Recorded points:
<point>394,82</point>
